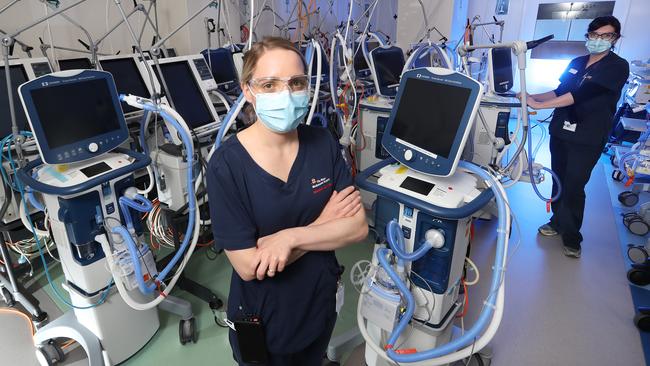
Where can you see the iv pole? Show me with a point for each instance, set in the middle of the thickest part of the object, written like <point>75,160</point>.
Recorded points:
<point>155,49</point>
<point>7,41</point>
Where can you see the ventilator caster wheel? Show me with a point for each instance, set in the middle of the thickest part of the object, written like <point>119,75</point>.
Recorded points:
<point>8,297</point>
<point>40,318</point>
<point>327,362</point>
<point>628,198</point>
<point>638,277</point>
<point>187,331</point>
<point>473,360</point>
<point>49,354</point>
<point>617,175</point>
<point>642,321</point>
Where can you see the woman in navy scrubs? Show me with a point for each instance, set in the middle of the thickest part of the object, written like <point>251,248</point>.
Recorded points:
<point>281,201</point>
<point>584,102</point>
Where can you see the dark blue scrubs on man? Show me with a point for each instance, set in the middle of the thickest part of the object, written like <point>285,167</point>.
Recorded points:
<point>579,133</point>
<point>297,306</point>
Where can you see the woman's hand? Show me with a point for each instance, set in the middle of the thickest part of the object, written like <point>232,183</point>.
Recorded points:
<point>274,253</point>
<point>532,103</point>
<point>345,203</point>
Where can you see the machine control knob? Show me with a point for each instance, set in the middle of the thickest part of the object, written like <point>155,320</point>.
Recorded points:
<point>435,238</point>
<point>408,155</point>
<point>93,147</point>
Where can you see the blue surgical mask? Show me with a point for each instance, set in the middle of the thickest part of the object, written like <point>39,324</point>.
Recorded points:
<point>282,111</point>
<point>598,45</point>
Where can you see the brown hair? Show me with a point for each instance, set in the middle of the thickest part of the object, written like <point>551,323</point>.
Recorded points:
<point>259,48</point>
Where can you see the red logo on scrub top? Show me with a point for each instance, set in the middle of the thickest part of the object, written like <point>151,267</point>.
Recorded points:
<point>319,185</point>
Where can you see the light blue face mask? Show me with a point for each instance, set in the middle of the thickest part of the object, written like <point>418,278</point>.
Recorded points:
<point>598,45</point>
<point>282,111</point>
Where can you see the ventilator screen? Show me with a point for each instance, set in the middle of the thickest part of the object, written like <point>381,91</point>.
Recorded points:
<point>128,79</point>
<point>75,64</point>
<point>185,93</point>
<point>74,112</point>
<point>429,115</point>
<point>388,66</point>
<point>18,76</point>
<point>502,78</point>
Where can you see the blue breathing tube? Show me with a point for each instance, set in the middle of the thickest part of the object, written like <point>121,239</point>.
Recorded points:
<point>126,236</point>
<point>395,238</point>
<point>624,158</point>
<point>530,171</point>
<point>479,327</point>
<point>224,124</point>
<point>143,142</point>
<point>633,152</point>
<point>138,202</point>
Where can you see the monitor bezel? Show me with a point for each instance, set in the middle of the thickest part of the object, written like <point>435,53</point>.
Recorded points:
<point>491,80</point>
<point>425,161</point>
<point>28,65</point>
<point>233,84</point>
<point>58,63</point>
<point>62,154</point>
<point>216,122</point>
<point>384,91</point>
<point>142,68</point>
<point>4,86</point>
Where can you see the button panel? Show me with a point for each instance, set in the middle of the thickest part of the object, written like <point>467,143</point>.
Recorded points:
<point>81,152</point>
<point>407,232</point>
<point>418,160</point>
<point>203,69</point>
<point>408,155</point>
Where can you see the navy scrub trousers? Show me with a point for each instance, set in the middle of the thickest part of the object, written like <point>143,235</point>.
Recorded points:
<point>297,306</point>
<point>579,133</point>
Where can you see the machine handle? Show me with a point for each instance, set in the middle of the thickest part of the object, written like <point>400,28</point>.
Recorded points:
<point>25,175</point>
<point>532,44</point>
<point>442,212</point>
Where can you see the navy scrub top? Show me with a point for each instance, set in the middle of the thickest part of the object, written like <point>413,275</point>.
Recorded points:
<point>247,203</point>
<point>595,90</point>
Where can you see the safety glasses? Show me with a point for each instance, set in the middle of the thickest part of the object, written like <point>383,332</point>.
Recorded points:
<point>296,83</point>
<point>604,36</point>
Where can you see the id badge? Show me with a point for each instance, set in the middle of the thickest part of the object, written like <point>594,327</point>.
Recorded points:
<point>340,296</point>
<point>568,126</point>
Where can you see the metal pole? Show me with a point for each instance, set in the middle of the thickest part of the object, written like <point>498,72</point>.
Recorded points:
<point>25,47</point>
<point>9,6</point>
<point>162,80</point>
<point>91,43</point>
<point>519,48</point>
<point>218,26</point>
<point>41,20</point>
<point>6,43</point>
<point>137,45</point>
<point>155,47</point>
<point>45,46</point>
<point>144,23</point>
<point>427,31</point>
<point>140,7</point>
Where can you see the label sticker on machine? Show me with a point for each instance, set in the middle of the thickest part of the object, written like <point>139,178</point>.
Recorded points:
<point>54,174</point>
